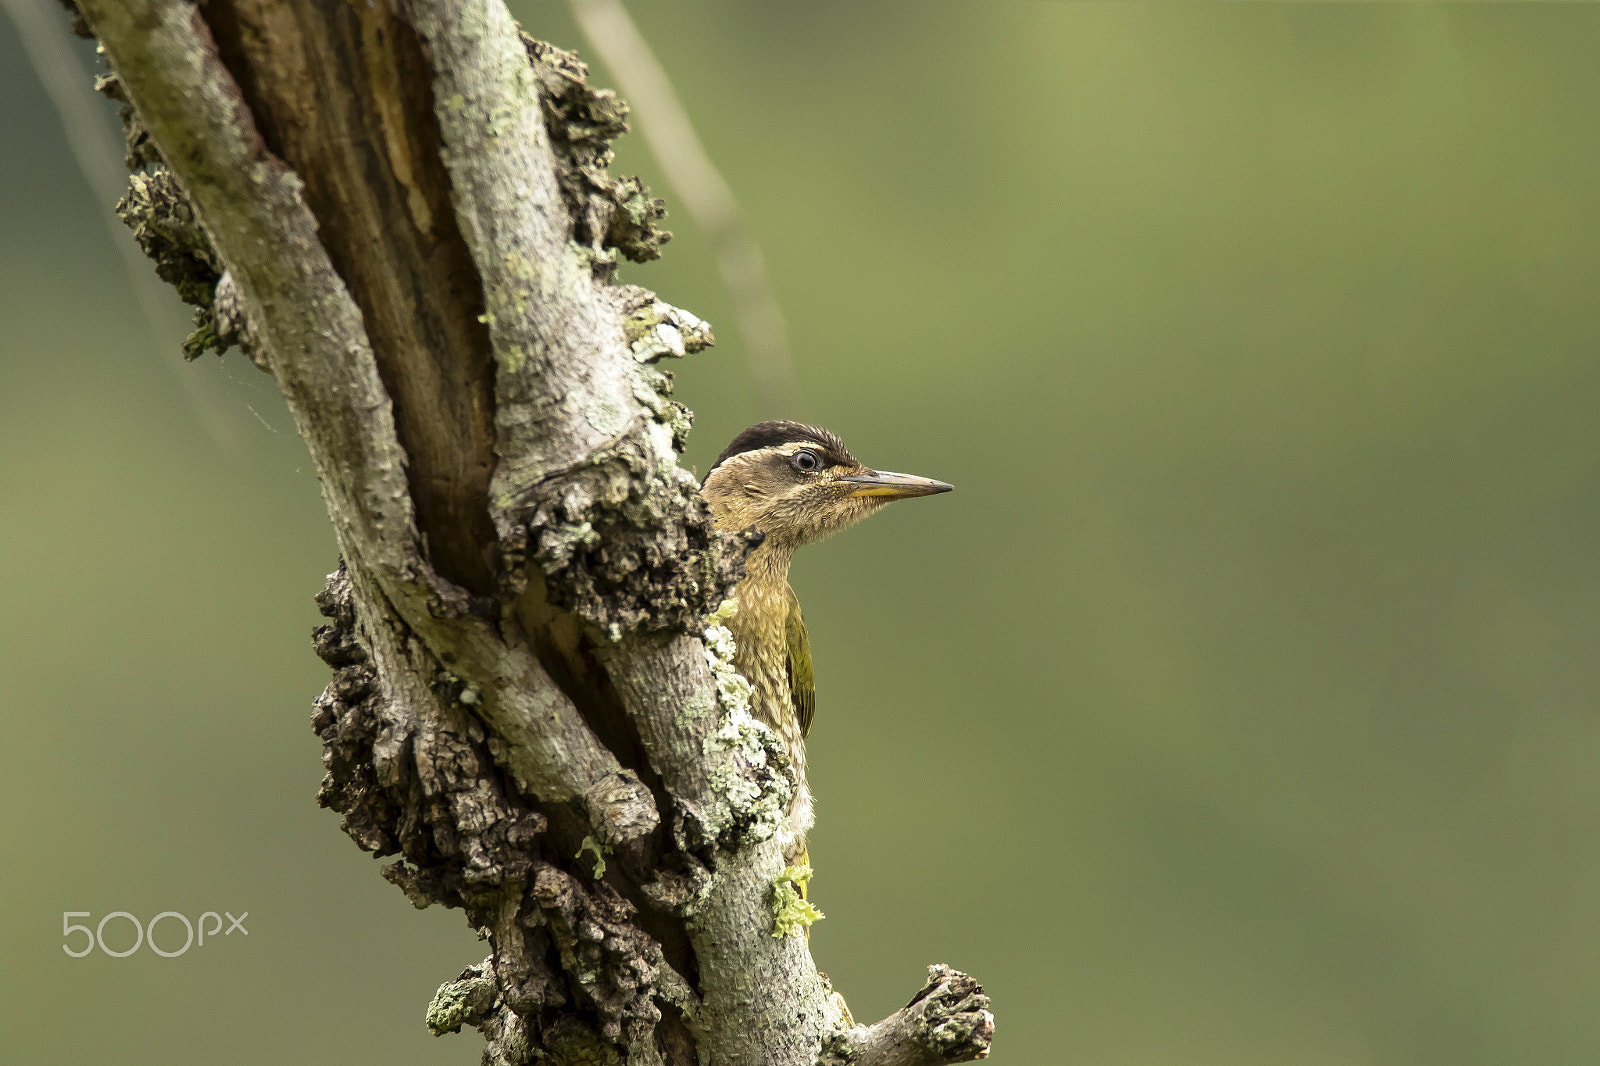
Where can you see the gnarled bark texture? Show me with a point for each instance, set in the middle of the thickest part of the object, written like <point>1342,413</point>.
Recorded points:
<point>400,209</point>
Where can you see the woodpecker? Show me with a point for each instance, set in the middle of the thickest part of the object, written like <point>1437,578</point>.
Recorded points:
<point>795,484</point>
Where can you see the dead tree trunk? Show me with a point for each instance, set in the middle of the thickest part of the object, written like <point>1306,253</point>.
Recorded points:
<point>400,209</point>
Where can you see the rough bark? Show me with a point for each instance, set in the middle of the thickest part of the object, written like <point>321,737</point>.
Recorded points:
<point>947,1021</point>
<point>401,211</point>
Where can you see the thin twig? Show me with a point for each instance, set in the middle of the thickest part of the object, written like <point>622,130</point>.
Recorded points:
<point>61,73</point>
<point>696,182</point>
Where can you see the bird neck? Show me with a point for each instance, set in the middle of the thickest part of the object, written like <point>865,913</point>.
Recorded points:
<point>768,565</point>
<point>763,593</point>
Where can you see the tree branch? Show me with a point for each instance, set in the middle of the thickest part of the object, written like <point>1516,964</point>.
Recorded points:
<point>300,313</point>
<point>410,206</point>
<point>948,1021</point>
<point>338,93</point>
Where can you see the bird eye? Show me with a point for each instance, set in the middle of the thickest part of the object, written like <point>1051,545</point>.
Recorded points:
<point>806,461</point>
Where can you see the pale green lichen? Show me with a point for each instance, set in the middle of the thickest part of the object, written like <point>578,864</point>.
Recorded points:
<point>657,330</point>
<point>606,415</point>
<point>561,543</point>
<point>750,769</point>
<point>512,358</point>
<point>167,229</point>
<point>791,911</point>
<point>733,690</point>
<point>458,1003</point>
<point>752,783</point>
<point>694,710</point>
<point>669,422</point>
<point>599,850</point>
<point>581,121</point>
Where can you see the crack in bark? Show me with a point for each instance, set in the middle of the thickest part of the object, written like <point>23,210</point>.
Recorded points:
<point>322,82</point>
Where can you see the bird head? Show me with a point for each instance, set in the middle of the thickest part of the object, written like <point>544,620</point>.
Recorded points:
<point>799,483</point>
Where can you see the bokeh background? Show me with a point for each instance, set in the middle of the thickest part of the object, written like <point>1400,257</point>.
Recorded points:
<point>1239,708</point>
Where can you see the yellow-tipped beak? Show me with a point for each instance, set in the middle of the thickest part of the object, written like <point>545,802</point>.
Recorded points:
<point>894,486</point>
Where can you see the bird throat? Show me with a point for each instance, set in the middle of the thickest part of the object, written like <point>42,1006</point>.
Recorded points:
<point>761,654</point>
<point>758,625</point>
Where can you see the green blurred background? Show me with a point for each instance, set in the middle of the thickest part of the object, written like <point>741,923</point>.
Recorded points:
<point>1239,708</point>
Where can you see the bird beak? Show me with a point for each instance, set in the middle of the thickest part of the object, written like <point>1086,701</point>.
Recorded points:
<point>894,486</point>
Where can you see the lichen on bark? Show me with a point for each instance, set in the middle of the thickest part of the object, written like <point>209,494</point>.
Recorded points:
<point>164,224</point>
<point>607,212</point>
<point>792,912</point>
<point>416,777</point>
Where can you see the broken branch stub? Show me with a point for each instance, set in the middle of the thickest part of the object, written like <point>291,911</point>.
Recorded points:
<point>947,1022</point>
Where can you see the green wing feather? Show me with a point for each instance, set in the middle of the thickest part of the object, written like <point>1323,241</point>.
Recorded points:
<point>802,680</point>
